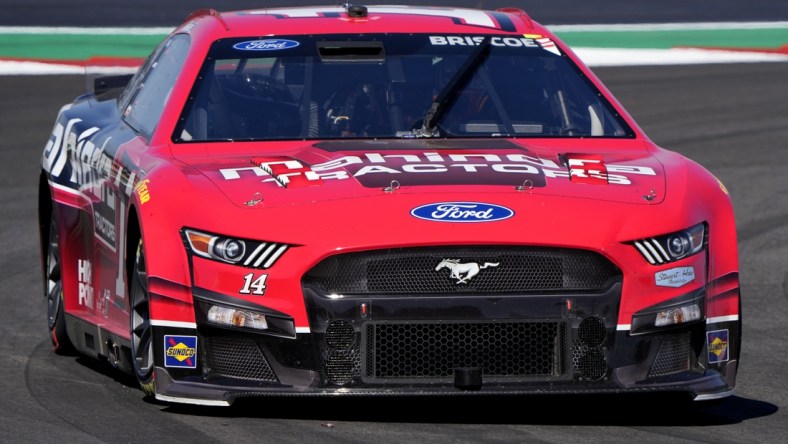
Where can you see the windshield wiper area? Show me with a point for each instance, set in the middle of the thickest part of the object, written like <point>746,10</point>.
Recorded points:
<point>448,94</point>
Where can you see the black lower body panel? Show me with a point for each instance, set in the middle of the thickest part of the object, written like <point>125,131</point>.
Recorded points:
<point>438,345</point>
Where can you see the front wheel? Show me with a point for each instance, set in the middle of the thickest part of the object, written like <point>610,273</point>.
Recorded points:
<point>140,325</point>
<point>54,293</point>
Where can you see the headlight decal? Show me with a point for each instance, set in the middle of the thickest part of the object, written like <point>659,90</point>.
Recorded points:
<point>231,250</point>
<point>648,248</point>
<point>270,253</point>
<point>674,246</point>
<point>199,243</point>
<point>254,254</point>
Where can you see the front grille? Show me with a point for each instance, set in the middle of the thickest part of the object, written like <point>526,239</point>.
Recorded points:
<point>592,332</point>
<point>432,350</point>
<point>237,358</point>
<point>589,363</point>
<point>342,357</point>
<point>588,354</point>
<point>342,366</point>
<point>457,270</point>
<point>673,357</point>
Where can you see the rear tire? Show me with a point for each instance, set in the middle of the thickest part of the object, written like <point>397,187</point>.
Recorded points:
<point>140,325</point>
<point>53,290</point>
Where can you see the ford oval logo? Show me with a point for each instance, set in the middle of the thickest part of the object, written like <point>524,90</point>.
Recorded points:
<point>266,45</point>
<point>462,212</point>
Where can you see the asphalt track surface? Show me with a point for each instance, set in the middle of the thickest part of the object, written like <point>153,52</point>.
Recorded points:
<point>731,118</point>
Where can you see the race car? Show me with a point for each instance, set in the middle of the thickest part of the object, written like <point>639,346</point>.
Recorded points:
<point>381,200</point>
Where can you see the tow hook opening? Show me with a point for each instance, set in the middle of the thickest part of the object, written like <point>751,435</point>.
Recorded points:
<point>468,378</point>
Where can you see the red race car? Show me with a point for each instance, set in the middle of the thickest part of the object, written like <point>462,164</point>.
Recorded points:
<point>381,200</point>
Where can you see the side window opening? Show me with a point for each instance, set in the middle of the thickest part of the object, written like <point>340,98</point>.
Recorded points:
<point>154,85</point>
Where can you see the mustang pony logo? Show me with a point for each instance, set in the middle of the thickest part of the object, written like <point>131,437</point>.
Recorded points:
<point>463,272</point>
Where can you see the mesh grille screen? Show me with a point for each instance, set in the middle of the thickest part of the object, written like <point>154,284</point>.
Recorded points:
<point>673,357</point>
<point>234,357</point>
<point>589,362</point>
<point>475,270</point>
<point>434,350</point>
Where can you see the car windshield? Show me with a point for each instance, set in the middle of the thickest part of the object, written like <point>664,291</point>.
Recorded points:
<point>393,86</point>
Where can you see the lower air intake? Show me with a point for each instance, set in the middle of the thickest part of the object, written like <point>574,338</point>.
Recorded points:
<point>433,350</point>
<point>590,363</point>
<point>340,335</point>
<point>342,366</point>
<point>237,358</point>
<point>592,332</point>
<point>673,357</point>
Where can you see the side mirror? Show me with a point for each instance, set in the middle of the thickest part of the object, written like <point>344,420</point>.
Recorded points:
<point>105,84</point>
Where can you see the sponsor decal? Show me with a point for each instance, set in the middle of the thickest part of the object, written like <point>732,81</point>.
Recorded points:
<point>142,191</point>
<point>544,42</point>
<point>587,168</point>
<point>526,41</point>
<point>717,343</point>
<point>85,280</point>
<point>105,229</point>
<point>376,170</point>
<point>180,351</point>
<point>287,177</point>
<point>549,45</point>
<point>467,40</point>
<point>266,45</point>
<point>69,141</point>
<point>462,212</point>
<point>254,285</point>
<point>675,277</point>
<point>104,213</point>
<point>463,272</point>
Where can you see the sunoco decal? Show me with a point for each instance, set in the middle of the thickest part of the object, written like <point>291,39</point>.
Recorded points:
<point>717,342</point>
<point>462,212</point>
<point>180,351</point>
<point>266,45</point>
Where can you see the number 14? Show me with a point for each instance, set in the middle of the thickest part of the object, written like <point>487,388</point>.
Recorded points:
<point>254,285</point>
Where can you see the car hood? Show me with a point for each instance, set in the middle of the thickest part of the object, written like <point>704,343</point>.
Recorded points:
<point>293,173</point>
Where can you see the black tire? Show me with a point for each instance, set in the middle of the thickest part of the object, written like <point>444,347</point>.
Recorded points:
<point>53,290</point>
<point>140,326</point>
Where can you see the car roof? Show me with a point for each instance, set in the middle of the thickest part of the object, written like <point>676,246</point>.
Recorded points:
<point>211,24</point>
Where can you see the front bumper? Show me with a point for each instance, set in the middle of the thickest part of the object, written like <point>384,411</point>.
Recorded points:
<point>439,345</point>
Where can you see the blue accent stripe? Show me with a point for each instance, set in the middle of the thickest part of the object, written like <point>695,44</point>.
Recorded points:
<point>504,22</point>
